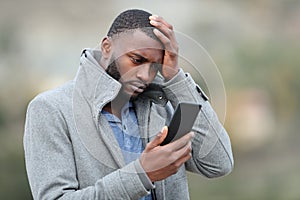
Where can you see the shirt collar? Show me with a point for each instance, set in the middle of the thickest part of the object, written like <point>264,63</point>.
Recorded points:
<point>112,118</point>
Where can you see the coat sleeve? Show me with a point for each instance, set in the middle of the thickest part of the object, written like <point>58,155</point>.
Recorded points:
<point>212,153</point>
<point>51,166</point>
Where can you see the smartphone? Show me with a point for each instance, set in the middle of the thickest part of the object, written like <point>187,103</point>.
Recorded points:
<point>182,121</point>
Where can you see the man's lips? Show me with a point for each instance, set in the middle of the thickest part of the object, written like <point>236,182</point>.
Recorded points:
<point>134,86</point>
<point>138,88</point>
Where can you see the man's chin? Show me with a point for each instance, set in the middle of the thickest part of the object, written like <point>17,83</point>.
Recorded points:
<point>133,95</point>
<point>130,95</point>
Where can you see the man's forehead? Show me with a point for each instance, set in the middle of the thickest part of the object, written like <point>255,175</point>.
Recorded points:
<point>136,39</point>
<point>138,42</point>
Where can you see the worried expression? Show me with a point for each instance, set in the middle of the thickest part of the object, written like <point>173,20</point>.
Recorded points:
<point>135,60</point>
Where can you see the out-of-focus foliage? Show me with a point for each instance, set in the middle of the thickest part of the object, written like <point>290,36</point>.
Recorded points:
<point>255,45</point>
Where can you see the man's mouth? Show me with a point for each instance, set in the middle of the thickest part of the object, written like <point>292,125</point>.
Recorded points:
<point>138,88</point>
<point>134,87</point>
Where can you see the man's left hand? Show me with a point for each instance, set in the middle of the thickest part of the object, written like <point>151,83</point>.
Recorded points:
<point>167,37</point>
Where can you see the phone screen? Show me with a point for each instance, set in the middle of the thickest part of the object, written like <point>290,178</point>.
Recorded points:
<point>182,121</point>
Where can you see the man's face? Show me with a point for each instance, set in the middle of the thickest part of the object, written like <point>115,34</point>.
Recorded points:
<point>134,61</point>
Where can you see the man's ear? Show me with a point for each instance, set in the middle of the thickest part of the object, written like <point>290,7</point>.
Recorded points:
<point>106,45</point>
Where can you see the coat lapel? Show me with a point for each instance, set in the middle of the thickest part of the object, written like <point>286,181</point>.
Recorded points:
<point>150,122</point>
<point>93,89</point>
<point>156,123</point>
<point>110,141</point>
<point>92,135</point>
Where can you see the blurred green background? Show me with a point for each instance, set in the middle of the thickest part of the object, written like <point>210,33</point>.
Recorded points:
<point>255,45</point>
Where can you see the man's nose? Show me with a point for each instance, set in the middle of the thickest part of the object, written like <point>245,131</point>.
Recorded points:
<point>144,72</point>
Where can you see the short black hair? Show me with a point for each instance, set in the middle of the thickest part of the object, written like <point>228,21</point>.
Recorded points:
<point>130,20</point>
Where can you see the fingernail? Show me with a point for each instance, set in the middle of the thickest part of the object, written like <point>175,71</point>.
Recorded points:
<point>162,130</point>
<point>153,22</point>
<point>156,31</point>
<point>193,134</point>
<point>153,17</point>
<point>190,146</point>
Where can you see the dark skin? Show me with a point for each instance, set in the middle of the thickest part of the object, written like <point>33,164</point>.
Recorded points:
<point>136,57</point>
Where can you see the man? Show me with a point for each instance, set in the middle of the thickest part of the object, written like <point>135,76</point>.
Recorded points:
<point>99,136</point>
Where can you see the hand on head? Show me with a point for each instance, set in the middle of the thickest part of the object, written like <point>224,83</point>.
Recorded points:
<point>167,37</point>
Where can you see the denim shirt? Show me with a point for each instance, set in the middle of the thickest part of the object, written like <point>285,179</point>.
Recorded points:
<point>127,133</point>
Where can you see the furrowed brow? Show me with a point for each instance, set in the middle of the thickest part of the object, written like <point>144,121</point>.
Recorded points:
<point>140,57</point>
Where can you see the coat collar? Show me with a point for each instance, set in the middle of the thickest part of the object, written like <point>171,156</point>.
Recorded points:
<point>92,90</point>
<point>94,82</point>
<point>105,87</point>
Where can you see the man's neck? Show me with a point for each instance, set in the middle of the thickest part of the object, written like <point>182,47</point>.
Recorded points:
<point>116,105</point>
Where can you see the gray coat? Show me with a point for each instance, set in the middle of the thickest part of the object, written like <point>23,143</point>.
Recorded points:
<point>71,152</point>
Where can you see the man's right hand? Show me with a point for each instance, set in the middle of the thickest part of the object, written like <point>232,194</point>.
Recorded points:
<point>160,162</point>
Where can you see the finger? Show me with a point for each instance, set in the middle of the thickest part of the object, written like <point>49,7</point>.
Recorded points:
<point>159,138</point>
<point>185,157</point>
<point>162,20</point>
<point>181,142</point>
<point>165,41</point>
<point>180,154</point>
<point>184,152</point>
<point>163,28</point>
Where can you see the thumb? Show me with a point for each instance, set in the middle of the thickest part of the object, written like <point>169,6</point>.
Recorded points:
<point>159,138</point>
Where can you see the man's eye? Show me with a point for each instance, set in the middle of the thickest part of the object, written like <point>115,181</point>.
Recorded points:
<point>137,60</point>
